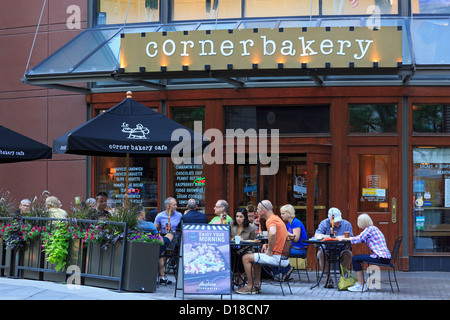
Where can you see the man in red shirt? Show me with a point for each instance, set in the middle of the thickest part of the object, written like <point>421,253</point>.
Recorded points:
<point>271,251</point>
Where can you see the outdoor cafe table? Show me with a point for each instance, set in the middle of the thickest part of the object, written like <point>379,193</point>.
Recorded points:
<point>332,253</point>
<point>239,249</point>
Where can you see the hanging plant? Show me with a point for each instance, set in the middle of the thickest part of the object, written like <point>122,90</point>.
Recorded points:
<point>56,245</point>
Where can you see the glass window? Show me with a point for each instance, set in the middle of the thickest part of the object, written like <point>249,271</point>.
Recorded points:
<point>430,40</point>
<point>373,118</point>
<point>359,7</point>
<point>142,179</point>
<point>431,199</point>
<point>280,8</point>
<point>246,185</point>
<point>296,177</point>
<point>206,9</point>
<point>430,6</point>
<point>189,180</point>
<point>373,183</point>
<point>431,118</point>
<point>115,11</point>
<point>289,120</point>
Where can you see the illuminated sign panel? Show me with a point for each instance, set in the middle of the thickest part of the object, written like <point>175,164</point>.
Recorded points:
<point>289,48</point>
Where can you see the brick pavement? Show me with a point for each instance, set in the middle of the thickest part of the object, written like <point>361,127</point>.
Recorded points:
<point>413,286</point>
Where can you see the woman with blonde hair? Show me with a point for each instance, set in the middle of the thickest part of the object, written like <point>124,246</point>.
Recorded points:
<point>375,240</point>
<point>295,228</point>
<point>53,205</point>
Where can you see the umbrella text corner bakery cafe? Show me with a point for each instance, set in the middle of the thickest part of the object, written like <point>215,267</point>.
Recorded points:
<point>15,147</point>
<point>127,129</point>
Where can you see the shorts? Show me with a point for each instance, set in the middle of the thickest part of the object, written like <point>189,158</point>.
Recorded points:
<point>164,246</point>
<point>274,260</point>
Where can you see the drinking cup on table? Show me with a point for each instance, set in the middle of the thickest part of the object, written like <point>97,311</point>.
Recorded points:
<point>347,234</point>
<point>237,239</point>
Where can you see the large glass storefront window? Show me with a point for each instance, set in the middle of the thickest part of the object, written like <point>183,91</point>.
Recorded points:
<point>431,199</point>
<point>142,180</point>
<point>206,9</point>
<point>141,11</point>
<point>115,11</point>
<point>189,180</point>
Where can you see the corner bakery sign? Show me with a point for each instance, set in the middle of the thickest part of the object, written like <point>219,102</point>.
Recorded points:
<point>336,47</point>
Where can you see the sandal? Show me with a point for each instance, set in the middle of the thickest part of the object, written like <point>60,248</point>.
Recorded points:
<point>287,276</point>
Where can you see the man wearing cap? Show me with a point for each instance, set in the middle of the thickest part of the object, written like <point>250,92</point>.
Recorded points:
<point>340,227</point>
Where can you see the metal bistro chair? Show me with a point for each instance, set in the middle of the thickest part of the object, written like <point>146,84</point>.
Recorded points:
<point>279,268</point>
<point>172,255</point>
<point>390,264</point>
<point>295,257</point>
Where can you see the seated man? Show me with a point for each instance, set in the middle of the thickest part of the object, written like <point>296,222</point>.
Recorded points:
<point>271,251</point>
<point>148,226</point>
<point>340,227</point>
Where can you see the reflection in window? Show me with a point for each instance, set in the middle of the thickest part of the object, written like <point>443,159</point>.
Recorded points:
<point>431,199</point>
<point>292,119</point>
<point>430,6</point>
<point>187,116</point>
<point>189,180</point>
<point>115,11</point>
<point>280,8</point>
<point>373,183</point>
<point>142,179</point>
<point>432,118</point>
<point>372,118</point>
<point>359,7</point>
<point>206,9</point>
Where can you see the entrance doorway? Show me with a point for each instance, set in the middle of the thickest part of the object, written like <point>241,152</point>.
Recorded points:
<point>302,181</point>
<point>374,189</point>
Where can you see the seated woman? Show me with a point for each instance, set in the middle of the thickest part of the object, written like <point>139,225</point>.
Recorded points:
<point>148,226</point>
<point>295,228</point>
<point>374,238</point>
<point>242,227</point>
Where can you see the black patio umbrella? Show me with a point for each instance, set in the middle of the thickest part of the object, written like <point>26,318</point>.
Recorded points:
<point>130,129</point>
<point>15,147</point>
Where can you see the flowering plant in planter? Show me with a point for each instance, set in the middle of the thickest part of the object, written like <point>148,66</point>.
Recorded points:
<point>11,234</point>
<point>103,234</point>
<point>139,236</point>
<point>31,232</point>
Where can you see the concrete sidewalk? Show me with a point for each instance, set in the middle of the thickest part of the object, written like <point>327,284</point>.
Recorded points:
<point>413,286</point>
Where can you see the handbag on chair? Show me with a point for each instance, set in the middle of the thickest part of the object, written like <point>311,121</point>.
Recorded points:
<point>347,279</point>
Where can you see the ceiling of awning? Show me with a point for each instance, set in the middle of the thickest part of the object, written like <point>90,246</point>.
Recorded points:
<point>90,62</point>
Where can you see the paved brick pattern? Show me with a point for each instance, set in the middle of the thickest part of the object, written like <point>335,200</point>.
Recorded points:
<point>413,286</point>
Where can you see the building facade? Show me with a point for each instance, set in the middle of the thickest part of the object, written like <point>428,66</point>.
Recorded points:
<point>342,104</point>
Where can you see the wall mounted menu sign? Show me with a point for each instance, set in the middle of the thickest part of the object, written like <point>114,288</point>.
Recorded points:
<point>135,185</point>
<point>189,183</point>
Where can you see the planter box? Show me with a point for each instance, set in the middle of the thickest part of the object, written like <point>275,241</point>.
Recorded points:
<point>141,267</point>
<point>103,263</point>
<point>32,257</point>
<point>140,270</point>
<point>74,257</point>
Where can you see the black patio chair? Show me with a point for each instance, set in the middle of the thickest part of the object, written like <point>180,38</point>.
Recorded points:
<point>295,257</point>
<point>279,267</point>
<point>390,265</point>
